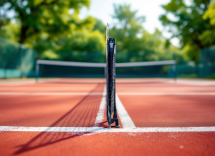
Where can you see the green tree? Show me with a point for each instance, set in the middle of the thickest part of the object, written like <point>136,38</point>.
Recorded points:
<point>210,13</point>
<point>52,27</point>
<point>10,31</point>
<point>3,15</point>
<point>208,36</point>
<point>188,24</point>
<point>127,26</point>
<point>85,40</point>
<point>100,26</point>
<point>46,18</point>
<point>133,38</point>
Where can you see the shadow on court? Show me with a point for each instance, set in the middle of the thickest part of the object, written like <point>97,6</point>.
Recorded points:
<point>82,115</point>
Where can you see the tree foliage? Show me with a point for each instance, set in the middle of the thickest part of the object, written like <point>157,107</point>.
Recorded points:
<point>50,26</point>
<point>45,18</point>
<point>82,40</point>
<point>208,37</point>
<point>127,25</point>
<point>186,23</point>
<point>210,13</point>
<point>132,37</point>
<point>53,28</point>
<point>100,26</point>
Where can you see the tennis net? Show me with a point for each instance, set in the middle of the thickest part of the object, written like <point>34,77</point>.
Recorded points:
<point>63,69</point>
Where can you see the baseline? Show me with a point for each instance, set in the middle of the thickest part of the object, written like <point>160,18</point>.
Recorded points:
<point>100,93</point>
<point>102,129</point>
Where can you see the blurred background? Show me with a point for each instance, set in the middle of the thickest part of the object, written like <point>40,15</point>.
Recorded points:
<point>74,30</point>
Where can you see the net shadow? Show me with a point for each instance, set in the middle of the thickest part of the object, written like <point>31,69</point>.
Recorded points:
<point>83,114</point>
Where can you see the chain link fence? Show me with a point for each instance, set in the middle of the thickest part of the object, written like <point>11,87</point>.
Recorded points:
<point>205,68</point>
<point>16,60</point>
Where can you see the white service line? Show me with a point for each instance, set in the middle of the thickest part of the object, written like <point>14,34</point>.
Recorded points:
<point>102,129</point>
<point>166,93</point>
<point>42,88</point>
<point>17,83</point>
<point>100,93</point>
<point>141,88</point>
<point>123,115</point>
<point>50,129</point>
<point>50,93</point>
<point>194,82</point>
<point>100,114</point>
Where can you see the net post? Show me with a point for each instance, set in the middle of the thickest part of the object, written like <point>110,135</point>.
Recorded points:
<point>37,71</point>
<point>110,74</point>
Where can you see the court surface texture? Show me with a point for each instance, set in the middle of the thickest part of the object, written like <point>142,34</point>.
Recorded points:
<point>68,117</point>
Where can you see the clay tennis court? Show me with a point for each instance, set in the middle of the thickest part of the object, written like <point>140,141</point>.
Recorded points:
<point>68,117</point>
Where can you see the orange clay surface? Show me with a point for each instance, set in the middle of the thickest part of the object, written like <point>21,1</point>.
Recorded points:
<point>35,143</point>
<point>170,111</point>
<point>81,111</point>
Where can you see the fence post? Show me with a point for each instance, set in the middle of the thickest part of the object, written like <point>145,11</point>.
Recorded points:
<point>37,71</point>
<point>4,73</point>
<point>174,71</point>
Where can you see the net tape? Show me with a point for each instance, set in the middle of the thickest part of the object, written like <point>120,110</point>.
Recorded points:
<point>83,64</point>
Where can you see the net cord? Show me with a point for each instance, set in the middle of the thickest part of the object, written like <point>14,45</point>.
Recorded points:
<point>83,64</point>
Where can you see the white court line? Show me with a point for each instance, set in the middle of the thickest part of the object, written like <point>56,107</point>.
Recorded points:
<point>136,88</point>
<point>24,82</point>
<point>123,115</point>
<point>100,114</point>
<point>100,93</point>
<point>101,129</point>
<point>166,93</point>
<point>50,129</point>
<point>194,82</point>
<point>50,93</point>
<point>16,83</point>
<point>43,88</point>
<point>199,88</point>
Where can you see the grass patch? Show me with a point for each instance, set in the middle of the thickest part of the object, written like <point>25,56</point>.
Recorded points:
<point>211,77</point>
<point>188,76</point>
